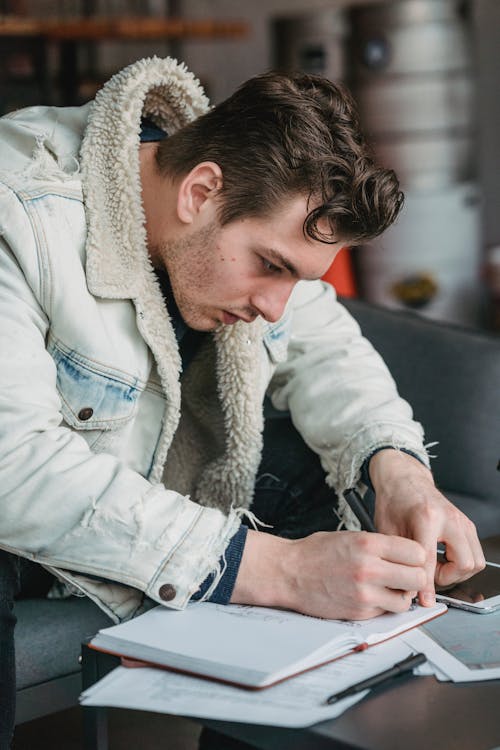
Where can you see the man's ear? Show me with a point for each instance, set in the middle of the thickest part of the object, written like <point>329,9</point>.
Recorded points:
<point>198,191</point>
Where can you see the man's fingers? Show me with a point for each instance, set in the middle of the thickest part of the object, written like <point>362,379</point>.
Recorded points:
<point>396,601</point>
<point>407,578</point>
<point>455,570</point>
<point>424,532</point>
<point>427,594</point>
<point>391,575</point>
<point>397,549</point>
<point>423,555</point>
<point>464,555</point>
<point>467,558</point>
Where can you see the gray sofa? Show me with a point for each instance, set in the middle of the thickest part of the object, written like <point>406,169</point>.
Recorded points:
<point>450,376</point>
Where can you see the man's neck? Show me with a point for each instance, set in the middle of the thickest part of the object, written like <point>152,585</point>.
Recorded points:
<point>159,196</point>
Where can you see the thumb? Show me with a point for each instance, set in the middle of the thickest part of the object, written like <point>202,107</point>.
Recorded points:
<point>427,595</point>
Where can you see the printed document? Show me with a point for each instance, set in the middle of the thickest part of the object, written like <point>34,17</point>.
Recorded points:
<point>464,646</point>
<point>297,702</point>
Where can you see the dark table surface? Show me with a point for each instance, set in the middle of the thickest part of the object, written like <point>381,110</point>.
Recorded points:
<point>412,715</point>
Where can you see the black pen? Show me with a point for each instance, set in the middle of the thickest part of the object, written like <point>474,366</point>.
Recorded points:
<point>402,667</point>
<point>353,499</point>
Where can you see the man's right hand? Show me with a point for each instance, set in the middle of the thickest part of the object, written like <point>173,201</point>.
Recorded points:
<point>350,575</point>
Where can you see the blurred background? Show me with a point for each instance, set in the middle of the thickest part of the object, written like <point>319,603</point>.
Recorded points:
<point>426,77</point>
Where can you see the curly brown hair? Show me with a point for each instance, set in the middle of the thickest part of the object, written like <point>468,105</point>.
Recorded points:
<point>284,134</point>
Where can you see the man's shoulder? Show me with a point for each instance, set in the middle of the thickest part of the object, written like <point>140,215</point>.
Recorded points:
<point>39,149</point>
<point>309,294</point>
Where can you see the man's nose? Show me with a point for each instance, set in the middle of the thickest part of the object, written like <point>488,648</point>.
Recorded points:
<point>270,302</point>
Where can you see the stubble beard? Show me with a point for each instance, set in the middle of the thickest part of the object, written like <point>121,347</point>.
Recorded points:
<point>187,262</point>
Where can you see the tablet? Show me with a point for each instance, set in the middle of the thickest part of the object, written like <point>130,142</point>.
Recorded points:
<point>480,593</point>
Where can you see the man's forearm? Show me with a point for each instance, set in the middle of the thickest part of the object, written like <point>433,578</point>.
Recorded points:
<point>263,577</point>
<point>390,463</point>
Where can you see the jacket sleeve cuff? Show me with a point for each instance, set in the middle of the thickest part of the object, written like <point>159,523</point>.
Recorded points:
<point>231,561</point>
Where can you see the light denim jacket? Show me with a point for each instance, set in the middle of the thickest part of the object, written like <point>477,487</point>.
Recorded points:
<point>106,468</point>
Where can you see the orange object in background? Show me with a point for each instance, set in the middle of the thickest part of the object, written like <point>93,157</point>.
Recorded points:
<point>341,274</point>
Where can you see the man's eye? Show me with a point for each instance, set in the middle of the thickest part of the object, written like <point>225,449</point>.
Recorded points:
<point>270,266</point>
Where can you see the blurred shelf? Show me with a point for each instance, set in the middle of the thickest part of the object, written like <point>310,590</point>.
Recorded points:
<point>24,43</point>
<point>129,28</point>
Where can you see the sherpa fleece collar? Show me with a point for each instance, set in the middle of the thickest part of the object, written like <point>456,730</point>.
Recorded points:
<point>117,258</point>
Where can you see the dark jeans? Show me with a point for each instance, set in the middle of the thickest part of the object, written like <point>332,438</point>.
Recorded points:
<point>290,490</point>
<point>19,578</point>
<point>290,494</point>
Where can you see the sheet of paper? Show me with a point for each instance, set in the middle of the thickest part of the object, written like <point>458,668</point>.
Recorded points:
<point>474,640</point>
<point>297,702</point>
<point>428,669</point>
<point>471,638</point>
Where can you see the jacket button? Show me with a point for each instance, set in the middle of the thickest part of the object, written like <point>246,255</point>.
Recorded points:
<point>167,592</point>
<point>85,414</point>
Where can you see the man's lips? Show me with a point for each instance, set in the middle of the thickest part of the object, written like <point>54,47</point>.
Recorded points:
<point>228,318</point>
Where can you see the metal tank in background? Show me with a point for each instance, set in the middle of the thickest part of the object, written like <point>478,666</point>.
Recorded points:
<point>411,71</point>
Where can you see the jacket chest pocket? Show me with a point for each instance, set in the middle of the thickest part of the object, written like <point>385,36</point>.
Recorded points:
<point>93,398</point>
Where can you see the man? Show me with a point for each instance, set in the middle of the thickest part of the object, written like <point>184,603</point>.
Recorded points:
<point>144,235</point>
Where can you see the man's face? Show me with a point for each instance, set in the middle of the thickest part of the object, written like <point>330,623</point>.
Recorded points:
<point>247,268</point>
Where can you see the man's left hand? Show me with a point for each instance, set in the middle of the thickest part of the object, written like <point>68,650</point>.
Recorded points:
<point>410,505</point>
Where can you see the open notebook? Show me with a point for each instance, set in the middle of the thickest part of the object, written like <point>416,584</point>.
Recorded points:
<point>248,646</point>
